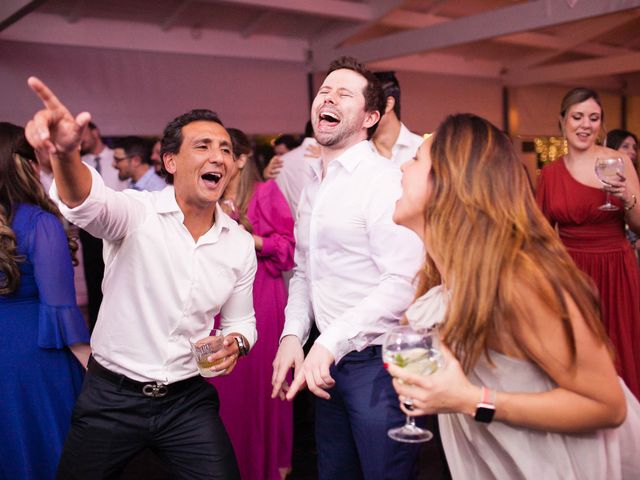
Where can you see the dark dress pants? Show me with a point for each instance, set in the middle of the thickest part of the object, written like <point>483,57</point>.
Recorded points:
<point>351,427</point>
<point>111,424</point>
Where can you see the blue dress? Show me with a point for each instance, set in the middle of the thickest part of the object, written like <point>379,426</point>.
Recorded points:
<point>40,377</point>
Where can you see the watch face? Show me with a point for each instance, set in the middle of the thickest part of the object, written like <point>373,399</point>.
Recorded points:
<point>484,413</point>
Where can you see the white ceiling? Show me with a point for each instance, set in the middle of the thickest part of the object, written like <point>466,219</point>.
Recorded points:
<point>514,41</point>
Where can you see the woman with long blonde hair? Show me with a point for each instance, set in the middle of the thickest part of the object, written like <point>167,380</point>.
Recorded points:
<point>44,340</point>
<point>529,388</point>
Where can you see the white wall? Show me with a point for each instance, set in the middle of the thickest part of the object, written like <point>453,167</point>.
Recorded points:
<point>131,92</point>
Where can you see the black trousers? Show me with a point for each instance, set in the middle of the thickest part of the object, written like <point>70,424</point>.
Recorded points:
<point>93,265</point>
<point>113,421</point>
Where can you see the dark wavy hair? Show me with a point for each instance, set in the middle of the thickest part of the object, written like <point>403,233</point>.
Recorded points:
<point>172,135</point>
<point>19,183</point>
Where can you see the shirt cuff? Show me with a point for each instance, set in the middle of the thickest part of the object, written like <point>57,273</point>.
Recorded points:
<point>87,211</point>
<point>296,329</point>
<point>333,339</point>
<point>247,332</point>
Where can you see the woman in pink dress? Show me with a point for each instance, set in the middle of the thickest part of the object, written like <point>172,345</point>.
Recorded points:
<point>261,428</point>
<point>570,194</point>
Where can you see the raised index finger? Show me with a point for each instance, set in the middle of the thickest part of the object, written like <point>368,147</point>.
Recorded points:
<point>46,95</point>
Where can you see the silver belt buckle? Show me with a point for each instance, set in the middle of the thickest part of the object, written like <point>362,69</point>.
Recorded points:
<point>155,390</point>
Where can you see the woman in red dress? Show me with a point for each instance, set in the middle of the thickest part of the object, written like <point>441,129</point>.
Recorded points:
<point>569,193</point>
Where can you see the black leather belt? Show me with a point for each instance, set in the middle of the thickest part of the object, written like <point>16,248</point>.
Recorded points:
<point>149,389</point>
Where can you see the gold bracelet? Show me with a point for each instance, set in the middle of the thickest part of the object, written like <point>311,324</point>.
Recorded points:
<point>633,203</point>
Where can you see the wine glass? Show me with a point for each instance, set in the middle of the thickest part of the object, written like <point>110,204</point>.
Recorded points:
<point>607,169</point>
<point>416,352</point>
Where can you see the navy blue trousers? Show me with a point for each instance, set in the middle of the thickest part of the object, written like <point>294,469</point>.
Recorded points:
<point>351,427</point>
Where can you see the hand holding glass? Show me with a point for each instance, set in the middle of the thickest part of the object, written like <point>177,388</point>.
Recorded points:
<point>607,170</point>
<point>416,352</point>
<point>203,348</point>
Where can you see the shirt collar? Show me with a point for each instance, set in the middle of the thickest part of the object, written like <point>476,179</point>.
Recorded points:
<point>404,137</point>
<point>349,159</point>
<point>167,203</point>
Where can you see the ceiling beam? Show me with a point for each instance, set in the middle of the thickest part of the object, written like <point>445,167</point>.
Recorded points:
<point>335,37</point>
<point>13,10</point>
<point>99,33</point>
<point>441,63</point>
<point>575,35</point>
<point>406,20</point>
<point>576,71</point>
<point>253,26</point>
<point>340,9</point>
<point>76,11</point>
<point>174,16</point>
<point>504,21</point>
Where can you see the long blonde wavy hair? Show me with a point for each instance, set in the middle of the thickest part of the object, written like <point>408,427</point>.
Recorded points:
<point>19,183</point>
<point>248,176</point>
<point>489,238</point>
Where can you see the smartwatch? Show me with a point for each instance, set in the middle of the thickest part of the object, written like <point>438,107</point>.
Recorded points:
<point>486,408</point>
<point>242,346</point>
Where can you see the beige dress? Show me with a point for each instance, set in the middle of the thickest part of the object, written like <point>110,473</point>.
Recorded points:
<point>486,451</point>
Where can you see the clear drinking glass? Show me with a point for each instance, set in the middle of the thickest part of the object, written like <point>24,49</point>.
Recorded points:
<point>418,353</point>
<point>203,347</point>
<point>607,169</point>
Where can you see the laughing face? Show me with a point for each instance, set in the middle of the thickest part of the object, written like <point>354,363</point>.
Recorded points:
<point>203,166</point>
<point>338,112</point>
<point>582,124</point>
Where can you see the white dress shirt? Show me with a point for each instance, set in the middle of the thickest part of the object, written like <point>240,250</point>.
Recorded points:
<point>160,286</point>
<point>108,172</point>
<point>405,147</point>
<point>295,174</point>
<point>354,266</point>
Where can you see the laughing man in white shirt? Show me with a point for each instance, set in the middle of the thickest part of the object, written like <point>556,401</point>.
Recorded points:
<point>353,276</point>
<point>173,261</point>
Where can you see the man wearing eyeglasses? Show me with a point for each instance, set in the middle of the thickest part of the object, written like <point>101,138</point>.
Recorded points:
<point>131,158</point>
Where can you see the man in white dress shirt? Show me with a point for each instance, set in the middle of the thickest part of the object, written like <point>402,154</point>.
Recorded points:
<point>173,260</point>
<point>294,171</point>
<point>132,159</point>
<point>392,139</point>
<point>353,276</point>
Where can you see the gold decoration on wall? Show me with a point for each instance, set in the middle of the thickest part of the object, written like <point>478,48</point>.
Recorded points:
<point>549,148</point>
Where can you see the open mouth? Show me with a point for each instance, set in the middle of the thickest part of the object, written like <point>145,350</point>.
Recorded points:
<point>328,119</point>
<point>211,177</point>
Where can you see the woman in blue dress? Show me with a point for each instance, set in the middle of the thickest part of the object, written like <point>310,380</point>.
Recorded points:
<point>43,336</point>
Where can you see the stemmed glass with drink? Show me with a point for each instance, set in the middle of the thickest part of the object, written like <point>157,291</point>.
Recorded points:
<point>417,352</point>
<point>607,170</point>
